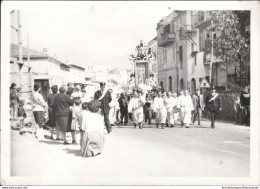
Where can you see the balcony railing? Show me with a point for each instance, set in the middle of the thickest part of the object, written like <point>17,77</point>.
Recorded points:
<point>166,38</point>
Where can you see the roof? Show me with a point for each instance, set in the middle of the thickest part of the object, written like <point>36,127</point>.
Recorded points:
<point>14,52</point>
<point>76,66</point>
<point>154,39</point>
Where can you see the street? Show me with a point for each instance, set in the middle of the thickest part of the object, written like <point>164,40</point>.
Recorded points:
<point>150,152</point>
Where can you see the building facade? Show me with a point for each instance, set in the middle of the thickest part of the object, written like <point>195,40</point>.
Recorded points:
<point>183,60</point>
<point>152,48</point>
<point>46,70</point>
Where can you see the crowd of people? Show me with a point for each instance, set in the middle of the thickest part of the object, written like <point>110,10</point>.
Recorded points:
<point>72,110</point>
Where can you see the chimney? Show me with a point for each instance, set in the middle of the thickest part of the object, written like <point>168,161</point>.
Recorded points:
<point>45,51</point>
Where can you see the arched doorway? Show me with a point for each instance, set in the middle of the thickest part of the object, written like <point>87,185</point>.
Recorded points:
<point>193,86</point>
<point>182,84</point>
<point>170,84</point>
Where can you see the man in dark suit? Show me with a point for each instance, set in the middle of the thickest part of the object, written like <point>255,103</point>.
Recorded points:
<point>123,108</point>
<point>198,104</point>
<point>213,105</point>
<point>105,98</point>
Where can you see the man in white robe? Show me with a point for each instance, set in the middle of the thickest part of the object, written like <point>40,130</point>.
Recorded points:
<point>169,107</point>
<point>160,109</point>
<point>185,106</point>
<point>175,105</point>
<point>135,107</point>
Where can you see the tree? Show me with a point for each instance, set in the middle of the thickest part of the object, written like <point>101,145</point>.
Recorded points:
<point>231,39</point>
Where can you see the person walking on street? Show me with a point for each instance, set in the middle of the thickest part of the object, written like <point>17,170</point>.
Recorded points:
<point>105,98</point>
<point>148,110</point>
<point>170,104</point>
<point>136,107</point>
<point>213,106</point>
<point>186,108</point>
<point>198,104</point>
<point>245,103</point>
<point>123,109</point>
<point>160,109</point>
<point>39,106</point>
<point>180,106</point>
<point>117,108</point>
<point>112,111</point>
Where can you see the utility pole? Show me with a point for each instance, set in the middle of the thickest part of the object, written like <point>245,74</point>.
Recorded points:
<point>29,64</point>
<point>19,43</point>
<point>211,61</point>
<point>19,32</point>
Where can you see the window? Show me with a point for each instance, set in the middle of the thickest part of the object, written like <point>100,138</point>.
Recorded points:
<point>173,55</point>
<point>170,84</point>
<point>180,56</point>
<point>166,55</point>
<point>172,24</point>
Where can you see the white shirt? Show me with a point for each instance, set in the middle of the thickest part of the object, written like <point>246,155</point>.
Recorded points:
<point>38,102</point>
<point>159,103</point>
<point>92,122</point>
<point>135,103</point>
<point>186,103</point>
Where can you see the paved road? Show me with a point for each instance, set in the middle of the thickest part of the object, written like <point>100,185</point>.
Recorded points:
<point>149,152</point>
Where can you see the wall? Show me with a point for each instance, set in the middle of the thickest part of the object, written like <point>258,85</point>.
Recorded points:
<point>227,99</point>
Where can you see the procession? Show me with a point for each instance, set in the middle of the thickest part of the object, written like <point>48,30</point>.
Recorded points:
<point>167,99</point>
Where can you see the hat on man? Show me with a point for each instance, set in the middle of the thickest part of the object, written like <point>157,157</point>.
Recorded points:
<point>102,83</point>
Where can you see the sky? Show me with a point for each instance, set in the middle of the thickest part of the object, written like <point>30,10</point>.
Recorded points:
<point>93,32</point>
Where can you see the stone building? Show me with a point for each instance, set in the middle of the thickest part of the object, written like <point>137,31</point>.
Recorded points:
<point>152,48</point>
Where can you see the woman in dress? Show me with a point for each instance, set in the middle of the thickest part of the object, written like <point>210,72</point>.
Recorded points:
<point>62,111</point>
<point>52,121</point>
<point>92,127</point>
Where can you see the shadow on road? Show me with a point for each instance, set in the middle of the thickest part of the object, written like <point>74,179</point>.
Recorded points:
<point>76,152</point>
<point>52,142</point>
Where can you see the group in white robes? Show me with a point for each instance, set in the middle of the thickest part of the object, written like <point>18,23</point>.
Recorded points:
<point>171,106</point>
<point>185,106</point>
<point>159,106</point>
<point>135,107</point>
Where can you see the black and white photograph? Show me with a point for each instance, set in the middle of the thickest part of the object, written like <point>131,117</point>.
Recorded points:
<point>130,93</point>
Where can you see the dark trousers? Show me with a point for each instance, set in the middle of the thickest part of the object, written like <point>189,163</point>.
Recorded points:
<point>117,113</point>
<point>106,120</point>
<point>196,113</point>
<point>212,118</point>
<point>148,116</point>
<point>246,112</point>
<point>124,115</point>
<point>239,117</point>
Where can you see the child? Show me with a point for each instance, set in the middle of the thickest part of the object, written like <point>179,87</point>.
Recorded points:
<point>92,129</point>
<point>21,113</point>
<point>238,109</point>
<point>76,118</point>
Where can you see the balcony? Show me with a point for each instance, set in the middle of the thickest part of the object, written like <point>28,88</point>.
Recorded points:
<point>166,39</point>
